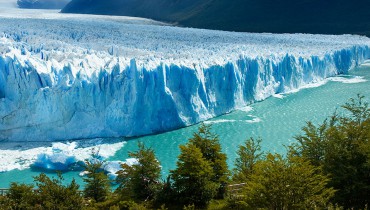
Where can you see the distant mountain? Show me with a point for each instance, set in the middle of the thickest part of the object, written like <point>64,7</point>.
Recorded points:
<point>278,16</point>
<point>42,4</point>
<point>164,10</point>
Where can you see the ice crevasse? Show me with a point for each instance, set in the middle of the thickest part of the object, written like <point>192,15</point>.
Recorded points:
<point>142,79</point>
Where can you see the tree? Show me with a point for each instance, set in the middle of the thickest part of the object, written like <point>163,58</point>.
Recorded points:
<point>21,196</point>
<point>192,177</point>
<point>248,155</point>
<point>313,144</point>
<point>54,195</point>
<point>291,183</point>
<point>140,181</point>
<point>341,146</point>
<point>97,182</point>
<point>50,194</point>
<point>209,145</point>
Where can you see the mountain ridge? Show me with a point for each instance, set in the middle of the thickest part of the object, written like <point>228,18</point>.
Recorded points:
<point>42,4</point>
<point>276,16</point>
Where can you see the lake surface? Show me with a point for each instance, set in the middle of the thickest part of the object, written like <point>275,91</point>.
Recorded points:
<point>276,120</point>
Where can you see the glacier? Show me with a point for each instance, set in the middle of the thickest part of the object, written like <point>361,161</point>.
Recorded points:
<point>66,76</point>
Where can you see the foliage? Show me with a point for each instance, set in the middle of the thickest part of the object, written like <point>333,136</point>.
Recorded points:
<point>313,143</point>
<point>189,207</point>
<point>51,194</point>
<point>140,181</point>
<point>166,193</point>
<point>291,183</point>
<point>111,202</point>
<point>97,183</point>
<point>192,177</point>
<point>248,155</point>
<point>341,147</point>
<point>218,204</point>
<point>209,145</point>
<point>5,203</point>
<point>131,205</point>
<point>21,196</point>
<point>116,204</point>
<point>54,195</point>
<point>237,204</point>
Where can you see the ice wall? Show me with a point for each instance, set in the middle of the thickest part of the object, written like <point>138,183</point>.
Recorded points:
<point>132,101</point>
<point>66,88</point>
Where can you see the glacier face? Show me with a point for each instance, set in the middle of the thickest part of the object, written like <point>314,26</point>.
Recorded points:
<point>69,77</point>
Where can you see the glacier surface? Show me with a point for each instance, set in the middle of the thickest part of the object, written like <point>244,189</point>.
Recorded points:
<point>65,76</point>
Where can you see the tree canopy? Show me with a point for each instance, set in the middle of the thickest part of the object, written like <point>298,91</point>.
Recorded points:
<point>192,177</point>
<point>209,145</point>
<point>97,182</point>
<point>139,181</point>
<point>341,146</point>
<point>287,183</point>
<point>248,155</point>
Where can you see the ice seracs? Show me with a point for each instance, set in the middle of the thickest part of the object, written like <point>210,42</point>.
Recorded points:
<point>70,77</point>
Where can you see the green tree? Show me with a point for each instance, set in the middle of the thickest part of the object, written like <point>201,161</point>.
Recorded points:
<point>166,193</point>
<point>248,155</point>
<point>341,146</point>
<point>21,196</point>
<point>291,183</point>
<point>140,181</point>
<point>209,145</point>
<point>5,203</point>
<point>314,143</point>
<point>192,177</point>
<point>97,182</point>
<point>54,195</point>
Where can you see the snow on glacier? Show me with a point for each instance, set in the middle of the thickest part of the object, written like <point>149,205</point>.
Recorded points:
<point>8,3</point>
<point>84,76</point>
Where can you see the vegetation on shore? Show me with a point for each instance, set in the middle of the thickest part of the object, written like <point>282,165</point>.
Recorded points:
<point>327,168</point>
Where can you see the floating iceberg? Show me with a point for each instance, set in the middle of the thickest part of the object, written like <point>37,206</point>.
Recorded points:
<point>54,162</point>
<point>57,157</point>
<point>68,77</point>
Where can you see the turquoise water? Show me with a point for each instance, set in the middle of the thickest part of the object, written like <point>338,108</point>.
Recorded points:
<point>275,120</point>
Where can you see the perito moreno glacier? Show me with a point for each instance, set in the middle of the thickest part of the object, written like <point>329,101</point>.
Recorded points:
<point>78,76</point>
